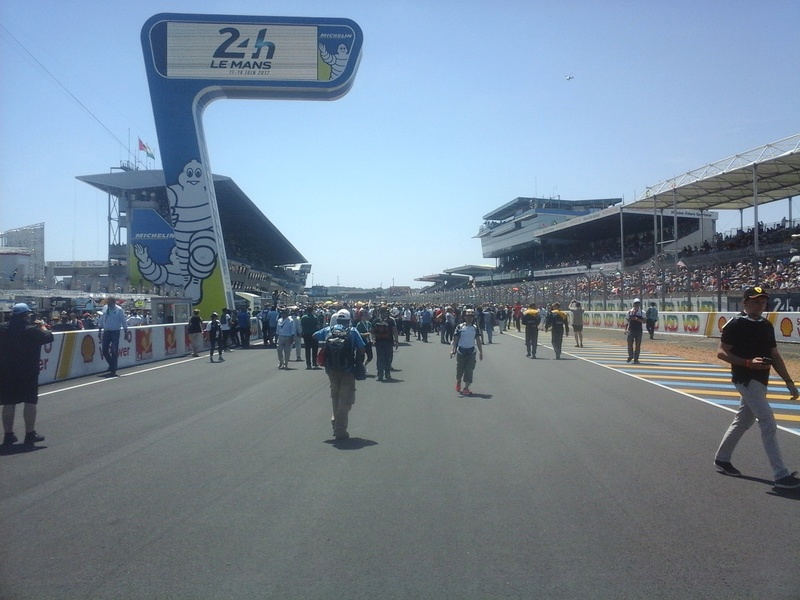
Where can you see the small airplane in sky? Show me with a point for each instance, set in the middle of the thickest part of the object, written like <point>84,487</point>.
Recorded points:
<point>569,77</point>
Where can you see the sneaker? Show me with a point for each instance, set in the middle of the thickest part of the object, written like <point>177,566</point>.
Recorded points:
<point>727,468</point>
<point>10,439</point>
<point>221,359</point>
<point>32,437</point>
<point>629,359</point>
<point>790,482</point>
<point>466,392</point>
<point>342,436</point>
<point>458,387</point>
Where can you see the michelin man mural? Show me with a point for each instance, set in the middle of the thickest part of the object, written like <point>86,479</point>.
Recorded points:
<point>337,62</point>
<point>195,253</point>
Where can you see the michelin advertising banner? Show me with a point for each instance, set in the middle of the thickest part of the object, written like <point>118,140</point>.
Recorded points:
<point>192,60</point>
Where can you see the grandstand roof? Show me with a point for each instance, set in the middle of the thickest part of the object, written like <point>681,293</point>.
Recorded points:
<point>442,277</point>
<point>728,184</point>
<point>251,231</point>
<point>605,223</point>
<point>510,209</point>
<point>473,270</point>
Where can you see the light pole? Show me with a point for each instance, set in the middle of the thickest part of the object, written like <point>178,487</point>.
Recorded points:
<point>621,276</point>
<point>589,291</point>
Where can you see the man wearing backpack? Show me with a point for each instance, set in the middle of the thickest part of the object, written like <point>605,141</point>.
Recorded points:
<point>344,355</point>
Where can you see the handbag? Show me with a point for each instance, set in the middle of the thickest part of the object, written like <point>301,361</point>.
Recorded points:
<point>321,357</point>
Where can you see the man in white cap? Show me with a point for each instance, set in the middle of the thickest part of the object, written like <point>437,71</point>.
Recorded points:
<point>344,356</point>
<point>634,321</point>
<point>20,346</point>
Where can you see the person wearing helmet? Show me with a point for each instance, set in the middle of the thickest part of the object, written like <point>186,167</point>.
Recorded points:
<point>341,368</point>
<point>20,346</point>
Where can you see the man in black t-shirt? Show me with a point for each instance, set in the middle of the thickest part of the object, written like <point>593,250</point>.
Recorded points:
<point>20,348</point>
<point>385,335</point>
<point>748,344</point>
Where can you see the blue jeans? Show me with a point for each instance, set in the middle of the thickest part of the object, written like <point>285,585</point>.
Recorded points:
<point>109,348</point>
<point>754,406</point>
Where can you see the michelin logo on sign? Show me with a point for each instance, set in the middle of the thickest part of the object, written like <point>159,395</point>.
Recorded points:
<point>194,256</point>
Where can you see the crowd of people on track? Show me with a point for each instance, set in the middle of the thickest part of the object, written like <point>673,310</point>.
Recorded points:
<point>344,339</point>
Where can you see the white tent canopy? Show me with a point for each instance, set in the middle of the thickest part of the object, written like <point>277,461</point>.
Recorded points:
<point>768,173</point>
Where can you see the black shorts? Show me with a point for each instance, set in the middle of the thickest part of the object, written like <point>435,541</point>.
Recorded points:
<point>19,393</point>
<point>577,328</point>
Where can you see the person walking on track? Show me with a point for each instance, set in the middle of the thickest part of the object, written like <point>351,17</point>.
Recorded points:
<point>748,345</point>
<point>466,344</point>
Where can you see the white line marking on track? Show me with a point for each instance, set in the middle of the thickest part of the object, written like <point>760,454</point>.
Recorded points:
<point>97,381</point>
<point>618,370</point>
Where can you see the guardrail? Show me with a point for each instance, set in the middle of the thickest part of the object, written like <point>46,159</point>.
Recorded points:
<point>705,324</point>
<point>77,353</point>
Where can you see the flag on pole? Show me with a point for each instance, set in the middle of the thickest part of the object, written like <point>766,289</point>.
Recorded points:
<point>146,149</point>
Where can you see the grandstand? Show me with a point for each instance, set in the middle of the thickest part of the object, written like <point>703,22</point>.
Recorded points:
<point>664,246</point>
<point>260,259</point>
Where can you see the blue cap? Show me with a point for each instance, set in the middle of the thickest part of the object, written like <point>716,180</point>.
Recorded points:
<point>20,309</point>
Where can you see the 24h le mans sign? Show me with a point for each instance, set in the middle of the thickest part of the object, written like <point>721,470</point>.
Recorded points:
<point>192,60</point>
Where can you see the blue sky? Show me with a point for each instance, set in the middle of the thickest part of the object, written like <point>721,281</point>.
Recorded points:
<point>457,108</point>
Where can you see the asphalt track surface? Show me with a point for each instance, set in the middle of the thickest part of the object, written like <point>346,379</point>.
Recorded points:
<point>557,479</point>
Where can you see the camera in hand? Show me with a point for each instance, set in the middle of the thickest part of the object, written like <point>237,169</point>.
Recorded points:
<point>766,360</point>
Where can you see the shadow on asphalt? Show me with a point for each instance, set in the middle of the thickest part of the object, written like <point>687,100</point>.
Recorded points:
<point>477,395</point>
<point>788,494</point>
<point>353,443</point>
<point>774,491</point>
<point>19,449</point>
